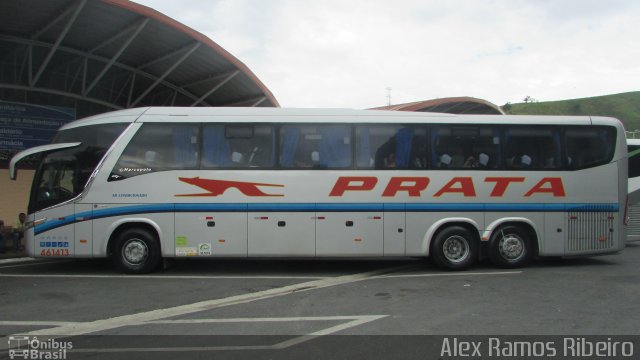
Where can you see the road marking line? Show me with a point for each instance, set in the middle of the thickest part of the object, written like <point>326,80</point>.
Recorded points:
<point>144,317</point>
<point>14,260</point>
<point>296,341</point>
<point>355,321</point>
<point>359,320</point>
<point>36,263</point>
<point>176,349</point>
<point>37,323</point>
<point>157,276</point>
<point>251,320</point>
<point>455,274</point>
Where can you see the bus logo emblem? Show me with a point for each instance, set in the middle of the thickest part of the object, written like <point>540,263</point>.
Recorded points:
<point>218,187</point>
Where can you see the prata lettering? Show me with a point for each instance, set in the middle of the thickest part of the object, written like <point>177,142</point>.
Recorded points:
<point>464,186</point>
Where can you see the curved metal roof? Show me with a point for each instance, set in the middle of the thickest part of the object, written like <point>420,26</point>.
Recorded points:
<point>451,105</point>
<point>101,55</point>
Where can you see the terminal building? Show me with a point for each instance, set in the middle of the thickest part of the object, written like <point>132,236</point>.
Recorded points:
<point>451,105</point>
<point>62,60</point>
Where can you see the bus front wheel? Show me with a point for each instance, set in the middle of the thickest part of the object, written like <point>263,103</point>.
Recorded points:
<point>136,251</point>
<point>510,247</point>
<point>454,248</point>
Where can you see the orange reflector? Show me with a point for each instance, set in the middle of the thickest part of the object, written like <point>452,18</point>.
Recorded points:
<point>83,241</point>
<point>222,240</point>
<point>377,217</point>
<point>209,217</point>
<point>321,217</point>
<point>602,238</point>
<point>484,238</point>
<point>357,239</point>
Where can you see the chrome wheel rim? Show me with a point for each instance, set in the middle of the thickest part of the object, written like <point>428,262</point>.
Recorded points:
<point>455,249</point>
<point>511,247</point>
<point>135,252</point>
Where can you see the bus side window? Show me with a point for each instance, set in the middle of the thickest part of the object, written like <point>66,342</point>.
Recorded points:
<point>335,147</point>
<point>299,146</point>
<point>243,146</point>
<point>465,147</point>
<point>532,148</point>
<point>216,151</point>
<point>589,146</point>
<point>185,146</point>
<point>634,161</point>
<point>390,147</point>
<point>158,147</point>
<point>315,146</point>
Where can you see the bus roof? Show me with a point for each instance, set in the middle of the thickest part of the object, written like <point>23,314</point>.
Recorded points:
<point>299,115</point>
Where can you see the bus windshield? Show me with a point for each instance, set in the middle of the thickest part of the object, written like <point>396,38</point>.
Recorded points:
<point>63,174</point>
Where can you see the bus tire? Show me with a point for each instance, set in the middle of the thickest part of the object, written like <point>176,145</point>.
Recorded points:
<point>510,247</point>
<point>454,248</point>
<point>136,251</point>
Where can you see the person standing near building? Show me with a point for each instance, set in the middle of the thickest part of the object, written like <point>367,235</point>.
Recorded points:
<point>1,237</point>
<point>18,231</point>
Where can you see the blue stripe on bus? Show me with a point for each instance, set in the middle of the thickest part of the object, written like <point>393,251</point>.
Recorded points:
<point>102,213</point>
<point>324,207</point>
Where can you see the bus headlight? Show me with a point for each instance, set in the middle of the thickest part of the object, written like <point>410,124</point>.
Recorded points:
<point>30,224</point>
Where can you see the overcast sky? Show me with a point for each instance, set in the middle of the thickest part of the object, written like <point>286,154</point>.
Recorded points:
<point>346,53</point>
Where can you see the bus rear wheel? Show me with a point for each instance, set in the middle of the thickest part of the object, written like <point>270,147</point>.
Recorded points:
<point>454,248</point>
<point>136,251</point>
<point>510,247</point>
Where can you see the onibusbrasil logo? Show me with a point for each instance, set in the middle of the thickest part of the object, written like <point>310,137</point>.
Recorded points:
<point>32,348</point>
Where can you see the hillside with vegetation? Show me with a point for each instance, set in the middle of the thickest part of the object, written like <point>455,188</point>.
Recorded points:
<point>625,106</point>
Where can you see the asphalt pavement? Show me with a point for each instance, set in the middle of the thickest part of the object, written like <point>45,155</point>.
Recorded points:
<point>320,308</point>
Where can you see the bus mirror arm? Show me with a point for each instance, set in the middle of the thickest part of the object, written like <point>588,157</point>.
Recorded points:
<point>13,170</point>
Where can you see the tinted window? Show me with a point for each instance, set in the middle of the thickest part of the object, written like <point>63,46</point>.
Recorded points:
<point>465,147</point>
<point>315,146</point>
<point>229,146</point>
<point>589,146</point>
<point>96,141</point>
<point>159,147</point>
<point>98,136</point>
<point>58,179</point>
<point>391,147</point>
<point>532,148</point>
<point>634,161</point>
<point>63,175</point>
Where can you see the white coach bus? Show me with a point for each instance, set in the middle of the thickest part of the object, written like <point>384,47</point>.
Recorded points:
<point>144,184</point>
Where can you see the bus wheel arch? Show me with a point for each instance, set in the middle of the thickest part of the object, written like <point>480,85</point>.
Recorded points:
<point>135,248</point>
<point>455,245</point>
<point>513,244</point>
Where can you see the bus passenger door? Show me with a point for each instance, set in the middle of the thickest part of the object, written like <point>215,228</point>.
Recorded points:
<point>394,230</point>
<point>84,230</point>
<point>349,234</point>
<point>282,234</point>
